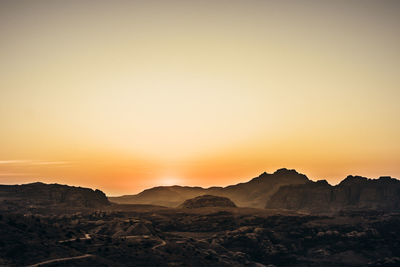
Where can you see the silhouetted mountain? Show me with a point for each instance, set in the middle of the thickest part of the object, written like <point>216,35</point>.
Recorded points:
<point>169,196</point>
<point>51,194</point>
<point>354,192</point>
<point>207,201</point>
<point>253,193</point>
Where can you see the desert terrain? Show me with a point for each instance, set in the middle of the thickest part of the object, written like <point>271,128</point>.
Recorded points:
<point>58,225</point>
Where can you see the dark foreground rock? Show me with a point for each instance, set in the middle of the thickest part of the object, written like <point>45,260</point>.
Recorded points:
<point>199,237</point>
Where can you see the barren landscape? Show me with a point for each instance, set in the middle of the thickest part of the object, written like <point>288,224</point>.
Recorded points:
<point>55,225</point>
<point>200,133</point>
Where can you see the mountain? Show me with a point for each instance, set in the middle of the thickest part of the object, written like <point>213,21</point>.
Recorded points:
<point>51,194</point>
<point>207,201</point>
<point>253,193</point>
<point>353,193</point>
<point>169,196</point>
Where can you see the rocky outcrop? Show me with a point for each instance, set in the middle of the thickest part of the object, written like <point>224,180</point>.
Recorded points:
<point>207,201</point>
<point>52,194</point>
<point>169,196</point>
<point>353,193</point>
<point>253,193</point>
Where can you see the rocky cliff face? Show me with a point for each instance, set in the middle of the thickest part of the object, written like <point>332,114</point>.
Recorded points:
<point>253,193</point>
<point>207,201</point>
<point>352,193</point>
<point>257,191</point>
<point>52,194</point>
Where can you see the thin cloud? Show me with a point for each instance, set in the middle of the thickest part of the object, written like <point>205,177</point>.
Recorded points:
<point>9,174</point>
<point>50,163</point>
<point>32,162</point>
<point>5,162</point>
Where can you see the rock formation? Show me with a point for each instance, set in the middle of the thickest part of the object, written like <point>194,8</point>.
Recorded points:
<point>52,194</point>
<point>207,201</point>
<point>353,193</point>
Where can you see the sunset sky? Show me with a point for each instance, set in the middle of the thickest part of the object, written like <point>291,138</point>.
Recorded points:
<point>126,95</point>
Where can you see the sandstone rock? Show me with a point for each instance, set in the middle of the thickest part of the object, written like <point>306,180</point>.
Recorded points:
<point>207,201</point>
<point>353,193</point>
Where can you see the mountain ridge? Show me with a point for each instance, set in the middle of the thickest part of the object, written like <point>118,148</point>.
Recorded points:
<point>352,193</point>
<point>283,189</point>
<point>253,193</point>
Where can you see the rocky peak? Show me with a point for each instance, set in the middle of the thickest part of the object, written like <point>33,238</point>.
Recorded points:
<point>284,171</point>
<point>351,180</point>
<point>388,179</point>
<point>322,183</point>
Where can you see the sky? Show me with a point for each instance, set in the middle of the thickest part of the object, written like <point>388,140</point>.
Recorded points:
<point>127,95</point>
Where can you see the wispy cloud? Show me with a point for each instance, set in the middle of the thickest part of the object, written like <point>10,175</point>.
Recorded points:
<point>13,174</point>
<point>13,161</point>
<point>50,162</point>
<point>32,162</point>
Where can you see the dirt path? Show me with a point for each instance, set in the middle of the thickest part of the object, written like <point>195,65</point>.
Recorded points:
<point>87,237</point>
<point>43,263</point>
<point>163,243</point>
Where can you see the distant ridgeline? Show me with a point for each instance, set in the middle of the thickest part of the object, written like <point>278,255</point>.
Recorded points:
<point>285,189</point>
<point>51,194</point>
<point>254,193</point>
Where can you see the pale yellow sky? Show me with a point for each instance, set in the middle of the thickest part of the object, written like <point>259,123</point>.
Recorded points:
<point>125,95</point>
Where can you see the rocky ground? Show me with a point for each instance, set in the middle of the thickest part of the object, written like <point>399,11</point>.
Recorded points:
<point>140,235</point>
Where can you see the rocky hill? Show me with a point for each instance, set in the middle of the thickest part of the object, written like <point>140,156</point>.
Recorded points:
<point>253,193</point>
<point>169,196</point>
<point>207,201</point>
<point>353,193</point>
<point>51,194</point>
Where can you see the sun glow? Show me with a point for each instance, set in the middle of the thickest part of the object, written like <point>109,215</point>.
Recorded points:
<point>169,180</point>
